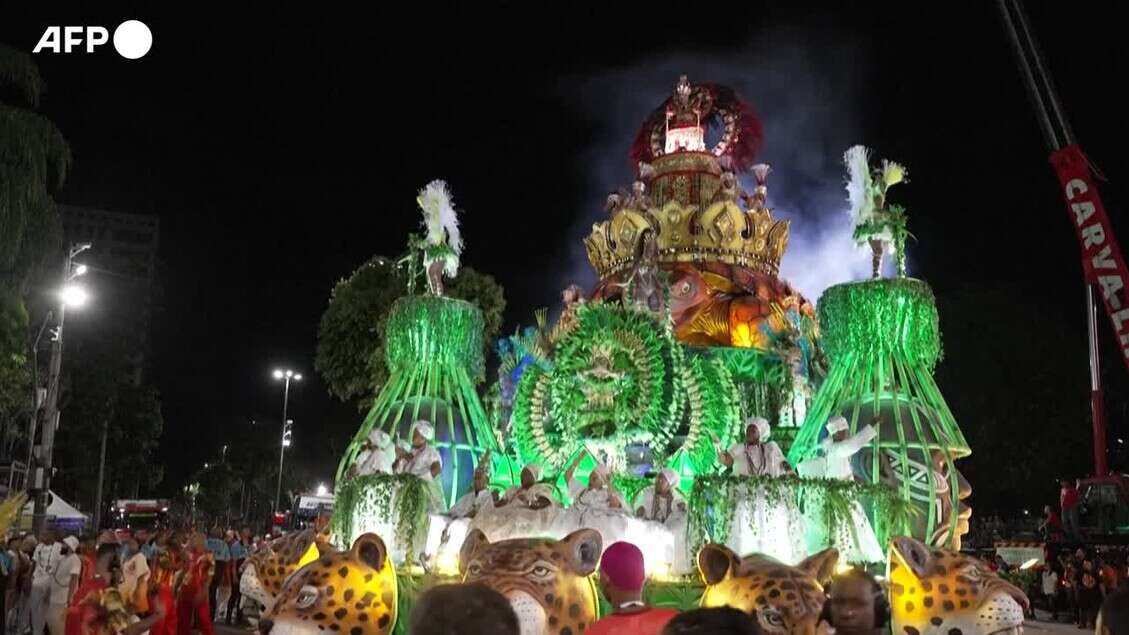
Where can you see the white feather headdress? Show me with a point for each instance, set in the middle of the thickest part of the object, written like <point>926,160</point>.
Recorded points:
<point>439,214</point>
<point>860,188</point>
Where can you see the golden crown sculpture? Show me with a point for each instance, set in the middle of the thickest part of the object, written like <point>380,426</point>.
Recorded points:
<point>696,212</point>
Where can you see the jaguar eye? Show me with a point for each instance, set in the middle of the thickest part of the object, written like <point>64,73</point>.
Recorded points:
<point>773,618</point>
<point>306,597</point>
<point>540,571</point>
<point>474,569</point>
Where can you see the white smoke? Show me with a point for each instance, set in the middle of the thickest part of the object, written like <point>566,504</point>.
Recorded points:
<point>804,89</point>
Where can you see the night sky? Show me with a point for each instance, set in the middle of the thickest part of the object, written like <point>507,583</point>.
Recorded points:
<point>283,149</point>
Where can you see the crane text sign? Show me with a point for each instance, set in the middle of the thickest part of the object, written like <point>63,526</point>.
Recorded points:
<point>1101,255</point>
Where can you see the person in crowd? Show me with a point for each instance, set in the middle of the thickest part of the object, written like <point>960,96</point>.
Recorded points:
<point>135,576</point>
<point>6,572</point>
<point>166,564</point>
<point>64,584</point>
<point>724,620</point>
<point>462,609</point>
<point>759,525</point>
<point>107,569</point>
<point>856,604</point>
<point>238,546</point>
<point>220,555</point>
<point>1051,526</point>
<point>45,561</point>
<point>1050,590</point>
<point>621,578</point>
<point>1091,591</point>
<point>192,600</point>
<point>1114,616</point>
<point>1069,500</point>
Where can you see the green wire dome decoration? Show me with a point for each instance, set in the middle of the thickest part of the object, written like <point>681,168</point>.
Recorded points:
<point>883,340</point>
<point>881,317</point>
<point>619,378</point>
<point>433,348</point>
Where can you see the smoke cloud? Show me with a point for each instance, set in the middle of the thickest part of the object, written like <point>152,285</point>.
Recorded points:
<point>806,91</point>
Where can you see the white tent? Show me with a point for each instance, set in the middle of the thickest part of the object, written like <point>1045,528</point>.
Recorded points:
<point>58,509</point>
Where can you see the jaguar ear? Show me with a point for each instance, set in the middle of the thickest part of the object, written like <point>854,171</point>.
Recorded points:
<point>585,547</point>
<point>716,562</point>
<point>821,566</point>
<point>473,541</point>
<point>370,549</point>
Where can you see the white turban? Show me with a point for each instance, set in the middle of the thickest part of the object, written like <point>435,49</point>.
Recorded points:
<point>670,475</point>
<point>379,438</point>
<point>761,425</point>
<point>424,428</point>
<point>837,424</point>
<point>534,470</point>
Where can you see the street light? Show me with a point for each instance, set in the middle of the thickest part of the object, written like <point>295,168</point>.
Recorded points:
<point>284,375</point>
<point>69,296</point>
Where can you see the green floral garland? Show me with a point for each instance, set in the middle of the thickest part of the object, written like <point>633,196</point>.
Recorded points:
<point>374,494</point>
<point>711,504</point>
<point>880,317</point>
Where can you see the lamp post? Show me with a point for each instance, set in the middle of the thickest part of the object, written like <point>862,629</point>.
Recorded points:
<point>284,376</point>
<point>69,295</point>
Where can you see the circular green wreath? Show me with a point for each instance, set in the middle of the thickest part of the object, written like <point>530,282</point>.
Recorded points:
<point>880,317</point>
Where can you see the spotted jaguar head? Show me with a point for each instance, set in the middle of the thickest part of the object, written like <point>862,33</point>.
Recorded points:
<point>547,581</point>
<point>341,593</point>
<point>783,599</point>
<point>265,572</point>
<point>939,592</point>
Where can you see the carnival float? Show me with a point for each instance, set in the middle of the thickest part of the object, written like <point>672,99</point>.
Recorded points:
<point>693,403</point>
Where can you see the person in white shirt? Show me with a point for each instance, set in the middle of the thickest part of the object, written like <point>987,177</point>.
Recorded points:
<point>855,541</point>
<point>64,582</point>
<point>531,493</point>
<point>1050,590</point>
<point>44,561</point>
<point>376,457</point>
<point>773,528</point>
<point>447,532</point>
<point>481,497</point>
<point>421,459</point>
<point>662,504</point>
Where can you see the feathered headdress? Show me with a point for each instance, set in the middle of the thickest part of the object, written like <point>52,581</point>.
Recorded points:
<point>439,217</point>
<point>860,187</point>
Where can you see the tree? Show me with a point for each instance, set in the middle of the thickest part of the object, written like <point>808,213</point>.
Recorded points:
<point>350,352</point>
<point>34,159</point>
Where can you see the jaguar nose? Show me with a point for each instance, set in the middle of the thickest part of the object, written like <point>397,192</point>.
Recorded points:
<point>265,625</point>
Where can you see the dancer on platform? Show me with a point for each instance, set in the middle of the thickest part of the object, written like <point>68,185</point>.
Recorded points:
<point>377,455</point>
<point>663,504</point>
<point>531,493</point>
<point>760,525</point>
<point>528,509</point>
<point>423,460</point>
<point>597,505</point>
<point>855,541</point>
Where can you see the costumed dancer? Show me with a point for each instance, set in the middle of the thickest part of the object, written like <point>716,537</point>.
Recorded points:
<point>662,503</point>
<point>596,505</point>
<point>528,509</point>
<point>192,594</point>
<point>446,533</point>
<point>854,540</point>
<point>167,562</point>
<point>771,527</point>
<point>421,459</point>
<point>443,244</point>
<point>377,455</point>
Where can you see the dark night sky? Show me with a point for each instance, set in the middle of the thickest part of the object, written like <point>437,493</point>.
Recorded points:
<point>283,149</point>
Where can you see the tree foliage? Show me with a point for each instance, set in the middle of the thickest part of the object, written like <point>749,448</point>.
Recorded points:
<point>350,352</point>
<point>34,159</point>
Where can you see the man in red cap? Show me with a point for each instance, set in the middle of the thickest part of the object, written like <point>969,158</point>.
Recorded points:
<point>621,578</point>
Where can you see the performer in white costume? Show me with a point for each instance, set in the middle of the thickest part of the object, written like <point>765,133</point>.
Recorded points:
<point>377,456</point>
<point>773,528</point>
<point>597,505</point>
<point>855,541</point>
<point>447,532</point>
<point>526,510</point>
<point>662,504</point>
<point>422,459</point>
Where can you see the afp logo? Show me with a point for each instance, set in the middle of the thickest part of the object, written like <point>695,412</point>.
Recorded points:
<point>132,39</point>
